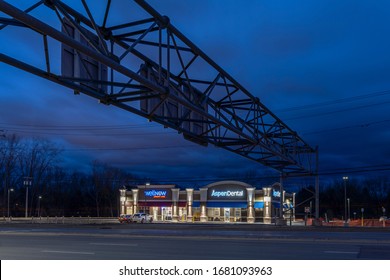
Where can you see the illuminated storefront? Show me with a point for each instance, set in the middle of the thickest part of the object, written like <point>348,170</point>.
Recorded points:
<point>225,201</point>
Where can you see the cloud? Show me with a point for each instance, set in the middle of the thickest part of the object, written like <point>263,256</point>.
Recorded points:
<point>286,53</point>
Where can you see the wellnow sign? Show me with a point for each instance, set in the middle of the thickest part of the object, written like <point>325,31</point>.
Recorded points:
<point>156,194</point>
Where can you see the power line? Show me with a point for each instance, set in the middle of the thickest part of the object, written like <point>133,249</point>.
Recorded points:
<point>40,132</point>
<point>89,134</point>
<point>275,177</point>
<point>355,171</point>
<point>336,101</point>
<point>346,169</point>
<point>128,148</point>
<point>288,109</point>
<point>365,125</point>
<point>77,127</point>
<point>337,111</point>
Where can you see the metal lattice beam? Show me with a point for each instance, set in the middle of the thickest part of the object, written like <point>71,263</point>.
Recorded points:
<point>172,82</point>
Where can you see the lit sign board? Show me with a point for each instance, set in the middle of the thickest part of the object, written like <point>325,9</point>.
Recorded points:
<point>227,192</point>
<point>157,194</point>
<point>215,193</point>
<point>275,193</point>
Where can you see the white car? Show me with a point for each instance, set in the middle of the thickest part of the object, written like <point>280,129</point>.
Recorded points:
<point>142,218</point>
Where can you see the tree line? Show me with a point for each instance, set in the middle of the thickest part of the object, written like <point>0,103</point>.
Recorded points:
<point>370,196</point>
<point>56,190</point>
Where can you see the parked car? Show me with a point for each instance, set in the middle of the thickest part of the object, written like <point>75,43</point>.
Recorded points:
<point>142,218</point>
<point>125,218</point>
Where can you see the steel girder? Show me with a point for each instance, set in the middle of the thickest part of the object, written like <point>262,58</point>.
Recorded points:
<point>156,72</point>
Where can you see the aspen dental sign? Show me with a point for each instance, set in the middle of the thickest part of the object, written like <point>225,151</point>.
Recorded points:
<point>239,194</point>
<point>227,192</point>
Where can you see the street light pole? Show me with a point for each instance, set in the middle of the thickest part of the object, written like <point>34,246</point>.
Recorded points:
<point>26,214</point>
<point>9,190</point>
<point>146,185</point>
<point>39,205</point>
<point>27,182</point>
<point>345,178</point>
<point>349,210</point>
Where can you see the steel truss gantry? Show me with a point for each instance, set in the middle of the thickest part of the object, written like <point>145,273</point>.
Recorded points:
<point>148,67</point>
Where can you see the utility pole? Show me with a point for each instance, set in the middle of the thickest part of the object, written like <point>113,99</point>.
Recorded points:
<point>345,179</point>
<point>9,190</point>
<point>317,187</point>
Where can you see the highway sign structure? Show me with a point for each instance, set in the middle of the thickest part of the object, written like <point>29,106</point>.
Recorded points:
<point>146,66</point>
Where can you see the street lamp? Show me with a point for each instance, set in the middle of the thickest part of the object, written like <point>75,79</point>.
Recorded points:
<point>39,205</point>
<point>27,182</point>
<point>345,178</point>
<point>146,185</point>
<point>9,190</point>
<point>349,210</point>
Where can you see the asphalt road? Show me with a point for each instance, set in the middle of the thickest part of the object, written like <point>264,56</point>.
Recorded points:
<point>171,242</point>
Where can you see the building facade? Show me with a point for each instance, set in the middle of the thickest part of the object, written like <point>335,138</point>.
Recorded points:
<point>225,201</point>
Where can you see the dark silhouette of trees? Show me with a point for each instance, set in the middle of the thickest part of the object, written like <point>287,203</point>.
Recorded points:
<point>10,152</point>
<point>65,192</point>
<point>372,194</point>
<point>36,158</point>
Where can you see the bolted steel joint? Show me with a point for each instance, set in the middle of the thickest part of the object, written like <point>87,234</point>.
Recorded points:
<point>164,22</point>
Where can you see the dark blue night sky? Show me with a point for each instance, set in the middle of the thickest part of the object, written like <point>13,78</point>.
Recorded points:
<point>323,67</point>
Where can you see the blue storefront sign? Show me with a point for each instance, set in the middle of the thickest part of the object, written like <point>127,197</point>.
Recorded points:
<point>275,193</point>
<point>258,204</point>
<point>227,192</point>
<point>156,194</point>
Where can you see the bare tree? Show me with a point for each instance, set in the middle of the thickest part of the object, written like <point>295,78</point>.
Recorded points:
<point>38,155</point>
<point>9,153</point>
<point>106,182</point>
<point>97,177</point>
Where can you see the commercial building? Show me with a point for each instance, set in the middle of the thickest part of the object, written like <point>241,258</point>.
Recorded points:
<point>225,201</point>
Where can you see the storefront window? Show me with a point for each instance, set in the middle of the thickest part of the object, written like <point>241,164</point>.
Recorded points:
<point>129,210</point>
<point>182,214</point>
<point>155,213</point>
<point>196,215</point>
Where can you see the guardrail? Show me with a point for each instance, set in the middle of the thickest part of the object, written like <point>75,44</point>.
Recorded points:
<point>60,220</point>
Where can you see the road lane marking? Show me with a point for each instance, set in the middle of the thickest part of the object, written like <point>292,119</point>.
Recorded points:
<point>115,244</point>
<point>339,252</point>
<point>68,252</point>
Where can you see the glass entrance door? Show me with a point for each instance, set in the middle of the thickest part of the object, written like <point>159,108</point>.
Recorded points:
<point>163,213</point>
<point>166,213</point>
<point>226,215</point>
